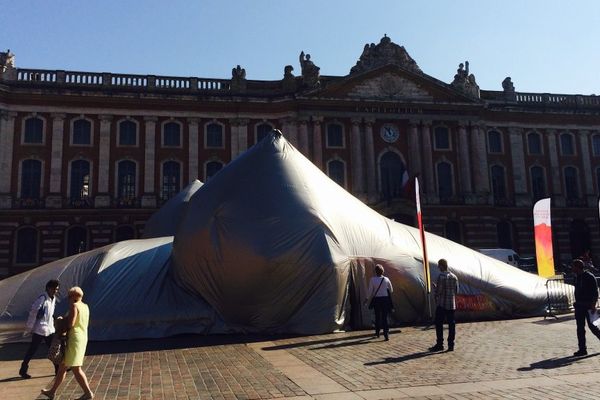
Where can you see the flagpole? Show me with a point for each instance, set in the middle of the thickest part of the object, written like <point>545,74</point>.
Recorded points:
<point>424,247</point>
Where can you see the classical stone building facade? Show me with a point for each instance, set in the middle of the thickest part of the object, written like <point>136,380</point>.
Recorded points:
<point>86,158</point>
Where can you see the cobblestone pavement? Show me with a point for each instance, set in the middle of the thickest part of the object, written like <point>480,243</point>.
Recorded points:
<point>517,359</point>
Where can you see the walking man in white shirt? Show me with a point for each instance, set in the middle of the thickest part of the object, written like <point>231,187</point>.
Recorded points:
<point>40,324</point>
<point>445,298</point>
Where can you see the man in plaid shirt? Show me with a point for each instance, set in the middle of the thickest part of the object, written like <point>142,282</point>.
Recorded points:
<point>445,298</point>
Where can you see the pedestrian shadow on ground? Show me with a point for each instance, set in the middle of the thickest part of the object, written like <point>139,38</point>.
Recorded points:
<point>332,343</point>
<point>554,320</point>
<point>389,360</point>
<point>552,363</point>
<point>18,378</point>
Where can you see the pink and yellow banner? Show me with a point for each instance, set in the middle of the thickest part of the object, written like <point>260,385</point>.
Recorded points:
<point>542,226</point>
<point>422,232</point>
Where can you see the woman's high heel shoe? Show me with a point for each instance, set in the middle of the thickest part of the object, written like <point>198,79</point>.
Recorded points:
<point>48,393</point>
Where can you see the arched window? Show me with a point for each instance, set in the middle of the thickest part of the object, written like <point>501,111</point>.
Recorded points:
<point>453,231</point>
<point>27,246</point>
<point>335,135</point>
<point>126,180</point>
<point>262,131</point>
<point>171,174</point>
<point>214,135</point>
<point>534,143</point>
<point>441,137</point>
<point>212,167</point>
<point>538,183</point>
<point>34,131</point>
<point>392,171</point>
<point>571,183</point>
<point>79,187</point>
<point>82,132</point>
<point>504,230</point>
<point>76,240</point>
<point>596,145</point>
<point>579,236</point>
<point>494,142</point>
<point>172,134</point>
<point>444,177</point>
<point>336,171</point>
<point>31,179</point>
<point>567,147</point>
<point>498,183</point>
<point>124,232</point>
<point>127,133</point>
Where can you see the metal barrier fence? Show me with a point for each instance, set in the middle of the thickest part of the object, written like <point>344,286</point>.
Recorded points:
<point>560,297</point>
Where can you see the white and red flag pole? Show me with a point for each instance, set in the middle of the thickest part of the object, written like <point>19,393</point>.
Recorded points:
<point>424,246</point>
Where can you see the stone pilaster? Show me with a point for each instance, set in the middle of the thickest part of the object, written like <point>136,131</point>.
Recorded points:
<point>428,169</point>
<point>149,196</point>
<point>242,126</point>
<point>318,141</point>
<point>414,160</point>
<point>192,149</point>
<point>588,172</point>
<point>517,149</point>
<point>480,164</point>
<point>289,131</point>
<point>104,168</point>
<point>7,137</point>
<point>464,162</point>
<point>557,197</point>
<point>356,154</point>
<point>233,126</point>
<point>54,198</point>
<point>303,136</point>
<point>371,167</point>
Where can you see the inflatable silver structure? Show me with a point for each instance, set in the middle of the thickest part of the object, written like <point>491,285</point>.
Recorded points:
<point>269,244</point>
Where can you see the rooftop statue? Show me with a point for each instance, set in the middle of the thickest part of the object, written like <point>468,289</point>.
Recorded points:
<point>7,60</point>
<point>465,82</point>
<point>384,53</point>
<point>310,72</point>
<point>238,79</point>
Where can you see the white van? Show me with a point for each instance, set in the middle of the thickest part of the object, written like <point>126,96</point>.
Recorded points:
<point>508,256</point>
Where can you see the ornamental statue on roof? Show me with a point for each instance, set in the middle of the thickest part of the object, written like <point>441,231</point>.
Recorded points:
<point>7,60</point>
<point>384,53</point>
<point>465,82</point>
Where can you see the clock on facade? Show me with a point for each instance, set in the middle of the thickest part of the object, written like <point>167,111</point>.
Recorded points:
<point>389,133</point>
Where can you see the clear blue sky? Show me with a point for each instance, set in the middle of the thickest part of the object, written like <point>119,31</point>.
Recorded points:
<point>544,45</point>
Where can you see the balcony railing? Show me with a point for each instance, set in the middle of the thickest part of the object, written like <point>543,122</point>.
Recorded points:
<point>576,203</point>
<point>30,203</point>
<point>126,202</point>
<point>503,202</point>
<point>79,202</point>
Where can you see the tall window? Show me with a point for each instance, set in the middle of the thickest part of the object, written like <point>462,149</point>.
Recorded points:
<point>392,170</point>
<point>504,231</point>
<point>453,231</point>
<point>596,144</point>
<point>171,179</point>
<point>262,131</point>
<point>534,143</point>
<point>538,183</point>
<point>335,135</point>
<point>127,133</point>
<point>498,183</point>
<point>441,138</point>
<point>212,168</point>
<point>82,132</point>
<point>172,134</point>
<point>494,142</point>
<point>124,233</point>
<point>34,131</point>
<point>31,179</point>
<point>444,176</point>
<point>571,183</point>
<point>80,180</point>
<point>126,180</point>
<point>27,246</point>
<point>579,237</point>
<point>567,147</point>
<point>335,170</point>
<point>214,135</point>
<point>76,240</point>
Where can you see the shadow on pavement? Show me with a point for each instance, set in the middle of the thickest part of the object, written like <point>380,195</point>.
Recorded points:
<point>352,339</point>
<point>554,320</point>
<point>552,363</point>
<point>389,360</point>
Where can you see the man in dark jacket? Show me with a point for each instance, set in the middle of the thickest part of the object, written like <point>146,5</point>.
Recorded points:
<point>586,296</point>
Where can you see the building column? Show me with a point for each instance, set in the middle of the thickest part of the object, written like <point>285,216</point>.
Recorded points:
<point>480,164</point>
<point>242,125</point>
<point>54,197</point>
<point>371,167</point>
<point>428,169</point>
<point>464,163</point>
<point>414,160</point>
<point>303,136</point>
<point>192,149</point>
<point>555,172</point>
<point>517,149</point>
<point>356,148</point>
<point>234,138</point>
<point>7,137</point>
<point>588,172</point>
<point>149,196</point>
<point>289,131</point>
<point>102,198</point>
<point>317,142</point>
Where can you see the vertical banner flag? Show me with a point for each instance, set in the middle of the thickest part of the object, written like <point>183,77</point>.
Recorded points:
<point>542,227</point>
<point>422,232</point>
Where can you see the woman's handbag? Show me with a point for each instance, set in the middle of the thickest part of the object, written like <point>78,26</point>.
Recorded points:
<point>56,352</point>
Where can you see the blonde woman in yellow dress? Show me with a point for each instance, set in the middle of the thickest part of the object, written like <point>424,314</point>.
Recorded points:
<point>77,319</point>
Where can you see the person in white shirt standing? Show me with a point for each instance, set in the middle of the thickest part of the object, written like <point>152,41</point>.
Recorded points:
<point>40,324</point>
<point>446,289</point>
<point>380,292</point>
